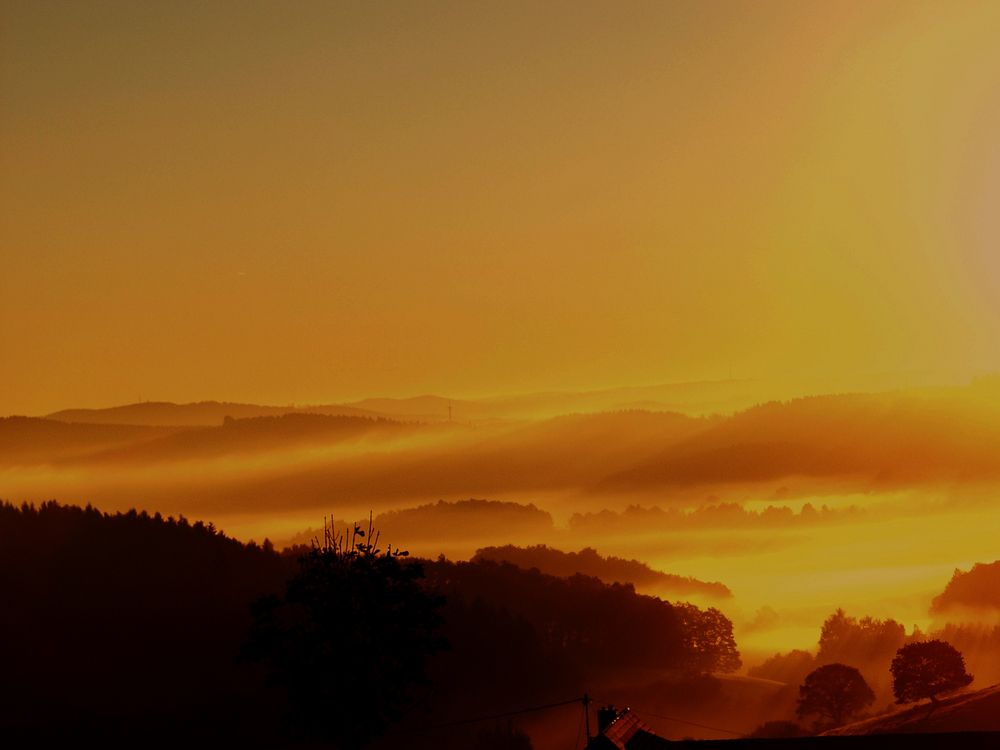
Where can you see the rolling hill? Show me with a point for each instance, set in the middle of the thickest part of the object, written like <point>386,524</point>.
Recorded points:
<point>201,413</point>
<point>977,711</point>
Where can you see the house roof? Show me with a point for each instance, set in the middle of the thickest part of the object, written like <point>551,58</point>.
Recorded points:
<point>620,732</point>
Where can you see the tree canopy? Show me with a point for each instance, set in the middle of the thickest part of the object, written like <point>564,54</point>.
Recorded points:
<point>141,619</point>
<point>835,692</point>
<point>927,669</point>
<point>864,640</point>
<point>349,639</point>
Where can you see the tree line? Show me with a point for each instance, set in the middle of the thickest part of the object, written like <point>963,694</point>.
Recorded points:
<point>131,623</point>
<point>853,656</point>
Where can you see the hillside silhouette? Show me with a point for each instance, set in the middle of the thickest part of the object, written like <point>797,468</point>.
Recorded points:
<point>256,435</point>
<point>713,515</point>
<point>852,442</point>
<point>537,636</point>
<point>33,440</point>
<point>976,588</point>
<point>893,438</point>
<point>976,711</point>
<point>967,613</point>
<point>198,414</point>
<point>117,622</point>
<point>447,522</point>
<point>427,407</point>
<point>609,569</point>
<point>555,454</point>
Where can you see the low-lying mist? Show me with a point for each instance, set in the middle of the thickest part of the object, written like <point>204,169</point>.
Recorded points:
<point>862,501</point>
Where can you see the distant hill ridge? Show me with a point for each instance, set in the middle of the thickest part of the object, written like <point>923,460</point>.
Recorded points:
<point>34,439</point>
<point>250,435</point>
<point>609,569</point>
<point>472,518</point>
<point>691,398</point>
<point>27,440</point>
<point>977,588</point>
<point>197,414</point>
<point>856,441</point>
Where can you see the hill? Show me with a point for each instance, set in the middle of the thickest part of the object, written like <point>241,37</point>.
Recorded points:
<point>977,588</point>
<point>690,398</point>
<point>885,439</point>
<point>839,443</point>
<point>465,522</point>
<point>431,408</point>
<point>256,434</point>
<point>609,569</point>
<point>977,711</point>
<point>130,623</point>
<point>201,413</point>
<point>118,621</point>
<point>32,440</point>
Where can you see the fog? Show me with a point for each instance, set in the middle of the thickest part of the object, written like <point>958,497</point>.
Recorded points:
<point>867,502</point>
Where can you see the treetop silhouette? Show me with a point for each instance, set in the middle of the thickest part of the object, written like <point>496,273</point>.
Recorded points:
<point>927,669</point>
<point>835,692</point>
<point>349,638</point>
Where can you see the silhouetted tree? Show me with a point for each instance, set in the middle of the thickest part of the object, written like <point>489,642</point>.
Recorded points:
<point>979,644</point>
<point>112,623</point>
<point>926,670</point>
<point>862,640</point>
<point>599,628</point>
<point>978,587</point>
<point>834,691</point>
<point>709,638</point>
<point>349,639</point>
<point>866,643</point>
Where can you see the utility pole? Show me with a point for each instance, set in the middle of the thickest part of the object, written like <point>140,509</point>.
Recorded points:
<point>586,717</point>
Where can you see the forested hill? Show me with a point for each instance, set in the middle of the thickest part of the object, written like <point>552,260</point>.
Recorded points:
<point>141,620</point>
<point>609,569</point>
<point>113,621</point>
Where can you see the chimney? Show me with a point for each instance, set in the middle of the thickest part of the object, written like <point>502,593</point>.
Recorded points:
<point>605,716</point>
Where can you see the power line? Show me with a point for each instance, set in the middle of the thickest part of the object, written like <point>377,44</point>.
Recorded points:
<point>493,717</point>
<point>559,704</point>
<point>692,723</point>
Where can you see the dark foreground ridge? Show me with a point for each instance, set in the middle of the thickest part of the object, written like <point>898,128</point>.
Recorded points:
<point>940,741</point>
<point>627,731</point>
<point>923,726</point>
<point>147,630</point>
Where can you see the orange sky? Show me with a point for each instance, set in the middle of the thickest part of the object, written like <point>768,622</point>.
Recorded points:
<point>281,202</point>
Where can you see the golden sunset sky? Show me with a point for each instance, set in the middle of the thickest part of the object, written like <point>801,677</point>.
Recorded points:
<point>317,201</point>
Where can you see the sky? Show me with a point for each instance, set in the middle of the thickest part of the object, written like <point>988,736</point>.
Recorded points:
<point>317,201</point>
